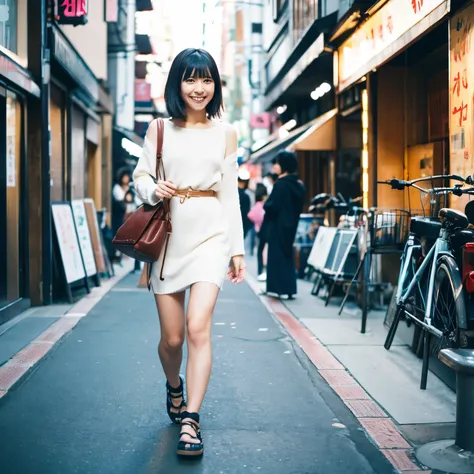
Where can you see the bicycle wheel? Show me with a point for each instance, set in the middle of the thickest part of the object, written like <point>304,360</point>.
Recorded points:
<point>448,305</point>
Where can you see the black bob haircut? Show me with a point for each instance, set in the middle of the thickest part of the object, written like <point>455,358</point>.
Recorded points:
<point>192,63</point>
<point>287,161</point>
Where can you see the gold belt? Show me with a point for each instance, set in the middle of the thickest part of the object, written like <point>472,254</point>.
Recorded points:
<point>184,194</point>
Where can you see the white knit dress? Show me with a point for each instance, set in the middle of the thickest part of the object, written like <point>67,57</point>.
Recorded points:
<point>207,231</point>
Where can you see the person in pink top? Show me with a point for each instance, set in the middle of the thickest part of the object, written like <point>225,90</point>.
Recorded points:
<point>256,215</point>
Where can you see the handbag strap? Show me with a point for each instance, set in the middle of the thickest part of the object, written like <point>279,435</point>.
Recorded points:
<point>160,127</point>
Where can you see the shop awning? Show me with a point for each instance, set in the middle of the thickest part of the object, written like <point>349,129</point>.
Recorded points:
<point>270,150</point>
<point>144,5</point>
<point>143,44</point>
<point>320,136</point>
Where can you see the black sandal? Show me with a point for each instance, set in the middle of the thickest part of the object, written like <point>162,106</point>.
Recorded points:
<point>171,394</point>
<point>186,448</point>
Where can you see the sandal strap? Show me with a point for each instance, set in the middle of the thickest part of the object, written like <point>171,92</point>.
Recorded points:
<point>195,428</point>
<point>192,415</point>
<point>176,395</point>
<point>178,389</point>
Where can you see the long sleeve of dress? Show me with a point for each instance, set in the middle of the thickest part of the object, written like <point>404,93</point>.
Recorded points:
<point>229,198</point>
<point>144,173</point>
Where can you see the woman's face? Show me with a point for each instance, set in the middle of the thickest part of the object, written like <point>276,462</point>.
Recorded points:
<point>197,92</point>
<point>125,180</point>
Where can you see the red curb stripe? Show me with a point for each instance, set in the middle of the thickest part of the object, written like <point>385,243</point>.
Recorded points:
<point>57,330</point>
<point>400,459</point>
<point>336,378</point>
<point>10,373</point>
<point>21,362</point>
<point>376,423</point>
<point>314,350</point>
<point>351,392</point>
<point>31,354</point>
<point>384,432</point>
<point>365,409</point>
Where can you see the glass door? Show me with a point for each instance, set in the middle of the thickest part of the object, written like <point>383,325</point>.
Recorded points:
<point>13,281</point>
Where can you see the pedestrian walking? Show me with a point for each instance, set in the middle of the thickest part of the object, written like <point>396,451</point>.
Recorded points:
<point>256,215</point>
<point>282,211</point>
<point>199,156</point>
<point>119,207</point>
<point>244,200</point>
<point>131,203</point>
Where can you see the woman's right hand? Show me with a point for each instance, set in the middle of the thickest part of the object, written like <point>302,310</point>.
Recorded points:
<point>165,189</point>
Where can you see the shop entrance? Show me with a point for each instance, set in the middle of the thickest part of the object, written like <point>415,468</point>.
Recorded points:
<point>13,208</point>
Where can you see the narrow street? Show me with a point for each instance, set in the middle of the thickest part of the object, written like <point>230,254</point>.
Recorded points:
<point>96,402</point>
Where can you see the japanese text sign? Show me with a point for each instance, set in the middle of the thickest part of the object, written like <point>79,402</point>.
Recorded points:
<point>461,92</point>
<point>378,34</point>
<point>71,12</point>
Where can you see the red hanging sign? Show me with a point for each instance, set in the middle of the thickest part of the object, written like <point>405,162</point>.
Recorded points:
<point>71,12</point>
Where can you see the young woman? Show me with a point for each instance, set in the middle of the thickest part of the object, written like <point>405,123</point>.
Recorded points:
<point>199,154</point>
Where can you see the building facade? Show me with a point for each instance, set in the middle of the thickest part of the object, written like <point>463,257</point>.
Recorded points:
<point>56,129</point>
<point>298,93</point>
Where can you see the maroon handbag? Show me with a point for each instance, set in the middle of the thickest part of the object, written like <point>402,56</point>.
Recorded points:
<point>145,234</point>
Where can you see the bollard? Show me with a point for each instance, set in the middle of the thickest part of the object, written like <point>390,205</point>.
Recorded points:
<point>456,456</point>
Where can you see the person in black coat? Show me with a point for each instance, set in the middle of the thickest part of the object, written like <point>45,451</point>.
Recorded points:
<point>244,200</point>
<point>282,213</point>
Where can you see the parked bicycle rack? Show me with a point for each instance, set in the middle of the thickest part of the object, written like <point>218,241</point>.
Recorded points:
<point>386,233</point>
<point>456,456</point>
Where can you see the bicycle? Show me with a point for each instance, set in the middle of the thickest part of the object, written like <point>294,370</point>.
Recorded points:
<point>435,265</point>
<point>381,231</point>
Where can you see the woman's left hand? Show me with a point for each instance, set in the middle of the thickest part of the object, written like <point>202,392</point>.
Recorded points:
<point>237,267</point>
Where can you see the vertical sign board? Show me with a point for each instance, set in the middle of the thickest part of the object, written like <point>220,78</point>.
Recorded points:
<point>82,227</point>
<point>68,244</point>
<point>95,234</point>
<point>11,144</point>
<point>111,11</point>
<point>321,247</point>
<point>461,94</point>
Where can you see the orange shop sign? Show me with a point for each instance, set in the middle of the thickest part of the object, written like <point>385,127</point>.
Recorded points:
<point>461,97</point>
<point>380,31</point>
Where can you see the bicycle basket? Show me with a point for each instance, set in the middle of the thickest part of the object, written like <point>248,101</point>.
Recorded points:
<point>389,230</point>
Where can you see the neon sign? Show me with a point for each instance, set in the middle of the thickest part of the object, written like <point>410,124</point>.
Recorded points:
<point>71,12</point>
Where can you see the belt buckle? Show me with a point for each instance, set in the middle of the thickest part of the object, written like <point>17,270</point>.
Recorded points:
<point>185,196</point>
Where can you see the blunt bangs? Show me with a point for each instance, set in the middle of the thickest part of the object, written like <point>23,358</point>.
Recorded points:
<point>196,64</point>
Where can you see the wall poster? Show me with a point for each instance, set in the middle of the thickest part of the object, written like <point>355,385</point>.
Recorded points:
<point>461,84</point>
<point>68,243</point>
<point>80,218</point>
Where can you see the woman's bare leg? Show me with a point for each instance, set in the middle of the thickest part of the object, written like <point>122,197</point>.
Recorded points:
<point>202,300</point>
<point>170,349</point>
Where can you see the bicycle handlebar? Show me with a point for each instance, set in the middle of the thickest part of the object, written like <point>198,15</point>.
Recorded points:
<point>401,184</point>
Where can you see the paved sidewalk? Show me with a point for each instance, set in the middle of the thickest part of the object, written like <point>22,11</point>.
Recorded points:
<point>390,378</point>
<point>95,403</point>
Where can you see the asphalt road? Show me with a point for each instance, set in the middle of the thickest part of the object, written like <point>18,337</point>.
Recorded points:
<point>96,403</point>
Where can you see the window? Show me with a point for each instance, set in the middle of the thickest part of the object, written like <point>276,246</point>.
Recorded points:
<point>8,24</point>
<point>305,12</point>
<point>257,28</point>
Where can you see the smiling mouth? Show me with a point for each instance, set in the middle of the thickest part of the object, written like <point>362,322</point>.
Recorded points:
<point>197,99</point>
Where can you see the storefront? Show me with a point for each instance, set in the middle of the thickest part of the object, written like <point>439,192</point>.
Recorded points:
<point>16,88</point>
<point>398,61</point>
<point>77,106</point>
